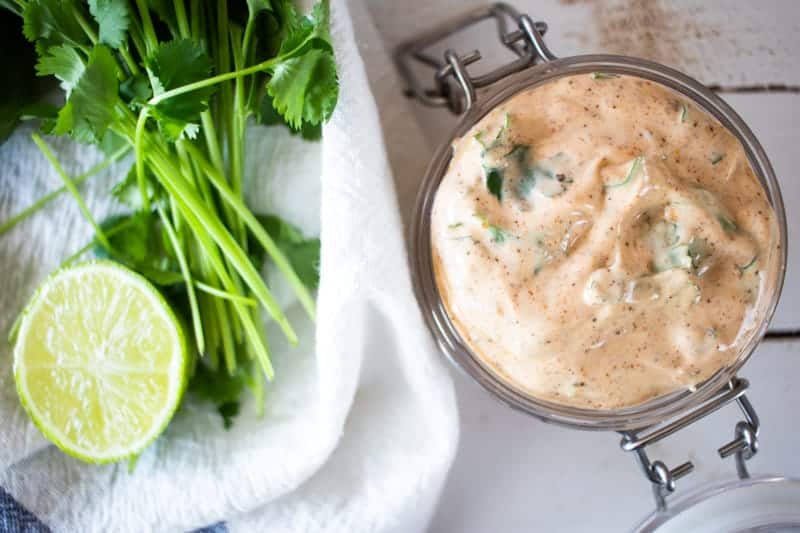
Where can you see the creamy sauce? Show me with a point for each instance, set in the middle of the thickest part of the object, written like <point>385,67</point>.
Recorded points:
<point>599,241</point>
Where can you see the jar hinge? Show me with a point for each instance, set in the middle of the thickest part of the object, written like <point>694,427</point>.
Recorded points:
<point>744,445</point>
<point>454,87</point>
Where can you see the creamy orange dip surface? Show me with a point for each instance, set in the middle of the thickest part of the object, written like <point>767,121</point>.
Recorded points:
<point>599,241</point>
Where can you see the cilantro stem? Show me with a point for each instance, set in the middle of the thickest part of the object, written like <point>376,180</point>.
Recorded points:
<point>227,336</point>
<point>49,197</point>
<point>212,330</point>
<point>635,166</point>
<point>208,289</point>
<point>258,231</point>
<point>180,16</point>
<point>248,35</point>
<point>73,190</point>
<point>187,278</point>
<point>204,238</point>
<point>257,388</point>
<point>220,78</point>
<point>126,55</point>
<point>191,205</point>
<point>17,10</point>
<point>237,138</point>
<point>135,32</point>
<point>196,16</point>
<point>138,140</point>
<point>150,39</point>
<point>84,24</point>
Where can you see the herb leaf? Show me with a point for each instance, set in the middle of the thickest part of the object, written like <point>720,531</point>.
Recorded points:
<point>302,253</point>
<point>305,89</point>
<point>64,63</point>
<point>268,116</point>
<point>305,33</point>
<point>176,63</point>
<point>219,388</point>
<point>53,22</point>
<point>90,107</point>
<point>112,18</point>
<point>494,182</point>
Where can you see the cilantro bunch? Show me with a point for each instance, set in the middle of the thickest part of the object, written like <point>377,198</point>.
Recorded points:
<point>175,83</point>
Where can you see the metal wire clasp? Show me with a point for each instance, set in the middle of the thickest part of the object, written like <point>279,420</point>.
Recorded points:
<point>453,86</point>
<point>744,445</point>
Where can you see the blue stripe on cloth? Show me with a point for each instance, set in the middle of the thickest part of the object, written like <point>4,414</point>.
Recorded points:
<point>219,527</point>
<point>14,518</point>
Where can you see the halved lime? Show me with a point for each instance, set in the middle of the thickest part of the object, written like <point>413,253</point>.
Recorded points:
<point>99,361</point>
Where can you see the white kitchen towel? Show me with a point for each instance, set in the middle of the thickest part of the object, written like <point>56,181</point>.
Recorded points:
<point>360,425</point>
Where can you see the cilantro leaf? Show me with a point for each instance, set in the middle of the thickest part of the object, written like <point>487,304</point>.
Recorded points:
<point>302,253</point>
<point>53,22</point>
<point>494,182</point>
<point>64,63</point>
<point>306,32</point>
<point>112,18</point>
<point>176,63</point>
<point>136,89</point>
<point>111,143</point>
<point>268,116</point>
<point>90,107</point>
<point>219,388</point>
<point>126,191</point>
<point>305,88</point>
<point>138,243</point>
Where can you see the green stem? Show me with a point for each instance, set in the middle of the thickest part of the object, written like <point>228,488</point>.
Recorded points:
<point>191,204</point>
<point>227,336</point>
<point>257,387</point>
<point>208,289</point>
<point>135,32</point>
<point>248,35</point>
<point>237,135</point>
<point>126,55</point>
<point>187,278</point>
<point>257,229</point>
<point>180,15</point>
<point>220,78</point>
<point>49,197</point>
<point>150,39</point>
<point>212,330</point>
<point>252,332</point>
<point>138,141</point>
<point>214,80</point>
<point>212,144</point>
<point>73,190</point>
<point>196,15</point>
<point>85,26</point>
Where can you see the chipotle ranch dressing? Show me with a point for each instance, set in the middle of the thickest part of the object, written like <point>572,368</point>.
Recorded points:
<point>599,241</point>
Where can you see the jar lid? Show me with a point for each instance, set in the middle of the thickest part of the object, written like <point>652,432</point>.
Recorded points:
<point>763,504</point>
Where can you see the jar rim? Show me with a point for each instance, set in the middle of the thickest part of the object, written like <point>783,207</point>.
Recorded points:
<point>766,519</point>
<point>449,340</point>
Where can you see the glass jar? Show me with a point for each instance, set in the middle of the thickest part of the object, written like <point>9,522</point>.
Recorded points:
<point>475,96</point>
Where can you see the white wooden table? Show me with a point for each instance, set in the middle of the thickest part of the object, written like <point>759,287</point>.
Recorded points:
<point>513,473</point>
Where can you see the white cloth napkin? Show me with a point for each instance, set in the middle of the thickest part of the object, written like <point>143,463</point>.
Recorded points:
<point>360,425</point>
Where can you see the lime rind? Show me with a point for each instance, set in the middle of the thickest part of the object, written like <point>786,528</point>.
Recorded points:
<point>177,371</point>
